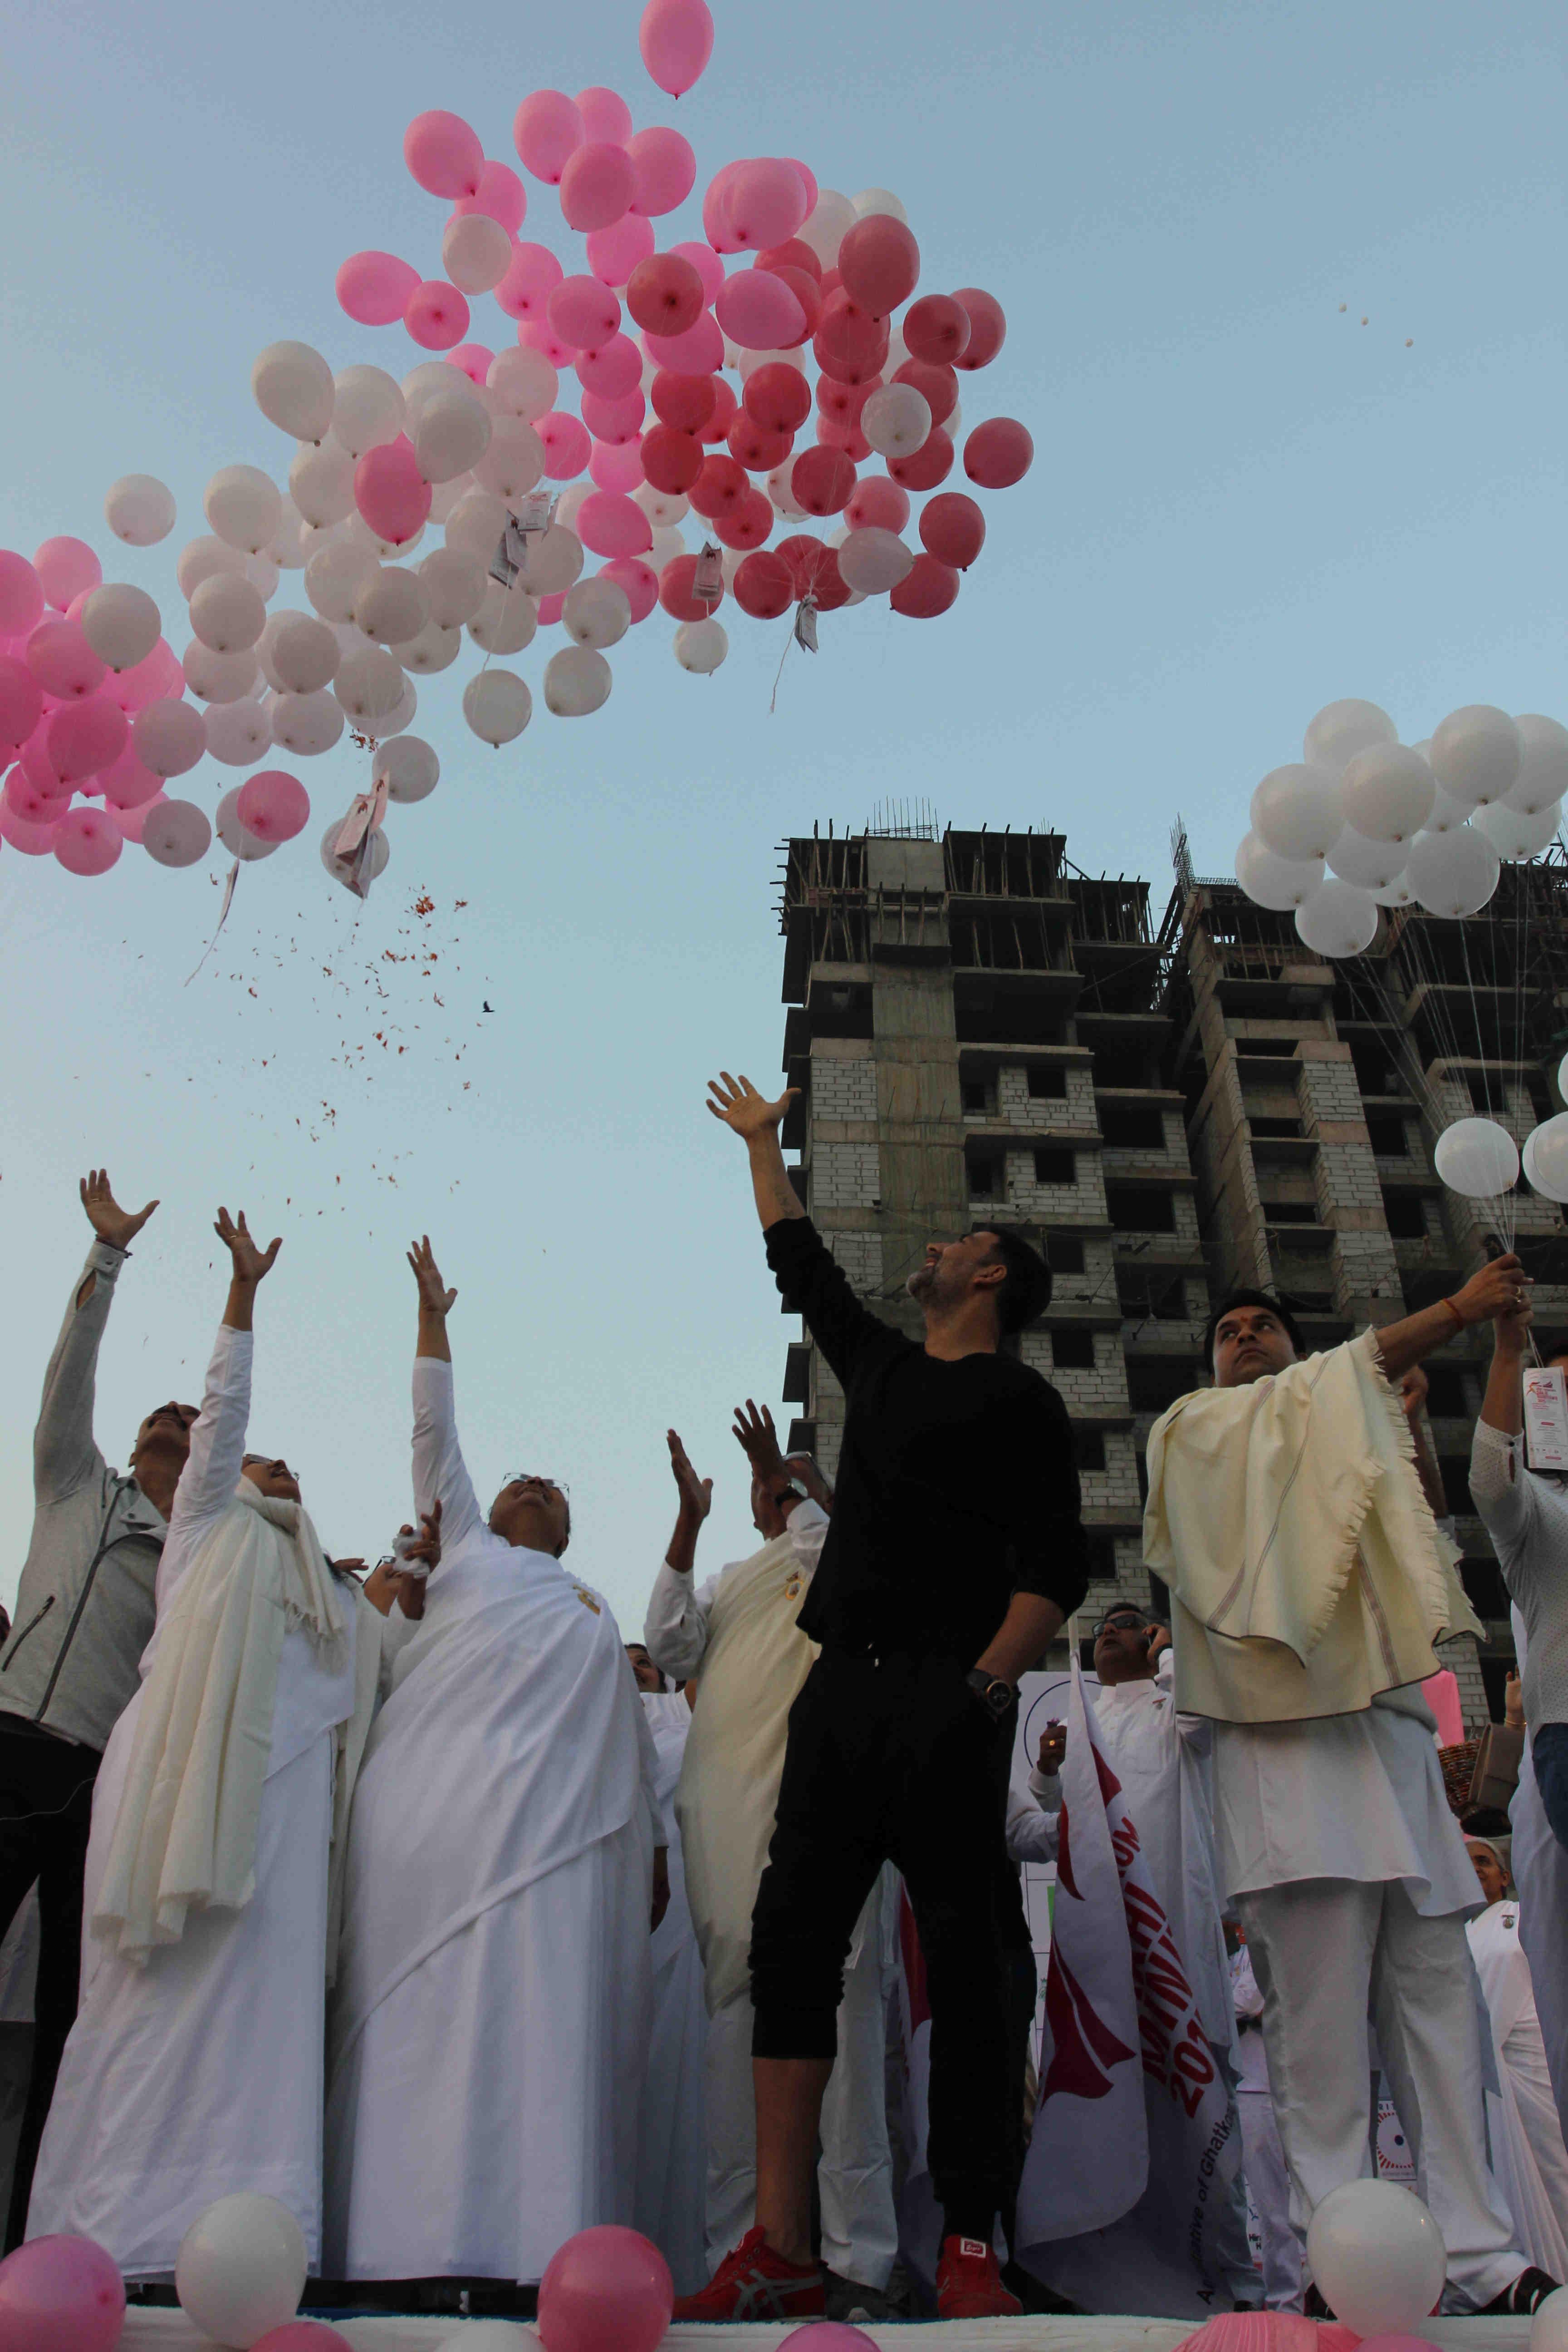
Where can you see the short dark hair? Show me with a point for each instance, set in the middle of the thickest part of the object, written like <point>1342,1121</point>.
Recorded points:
<point>1027,1292</point>
<point>1251,1298</point>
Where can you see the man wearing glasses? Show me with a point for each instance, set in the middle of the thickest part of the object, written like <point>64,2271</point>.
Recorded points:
<point>491,2023</point>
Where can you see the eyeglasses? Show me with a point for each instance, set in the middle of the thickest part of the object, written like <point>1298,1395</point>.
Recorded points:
<point>1120,1622</point>
<point>533,1478</point>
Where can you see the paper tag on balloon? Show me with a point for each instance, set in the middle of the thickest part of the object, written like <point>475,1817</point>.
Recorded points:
<point>536,511</point>
<point>1546,1417</point>
<point>708,579</point>
<point>805,624</point>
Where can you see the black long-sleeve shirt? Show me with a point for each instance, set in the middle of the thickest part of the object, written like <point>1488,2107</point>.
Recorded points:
<point>956,1488</point>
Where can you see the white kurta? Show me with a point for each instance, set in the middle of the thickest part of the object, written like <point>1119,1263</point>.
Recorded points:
<point>1540,1876</point>
<point>490,2025</point>
<point>1528,2152</point>
<point>200,2075</point>
<point>672,2153</point>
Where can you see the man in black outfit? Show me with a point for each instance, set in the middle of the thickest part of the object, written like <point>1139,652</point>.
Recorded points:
<point>954,1555</point>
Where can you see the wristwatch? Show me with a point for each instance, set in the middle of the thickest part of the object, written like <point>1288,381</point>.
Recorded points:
<point>995,1695</point>
<point>786,1490</point>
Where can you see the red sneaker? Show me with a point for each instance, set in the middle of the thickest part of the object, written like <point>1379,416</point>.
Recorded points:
<point>969,2283</point>
<point>754,2283</point>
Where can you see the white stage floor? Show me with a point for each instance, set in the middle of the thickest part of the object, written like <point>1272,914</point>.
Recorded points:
<point>169,2331</point>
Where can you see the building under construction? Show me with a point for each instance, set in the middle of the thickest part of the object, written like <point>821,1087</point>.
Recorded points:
<point>979,1029</point>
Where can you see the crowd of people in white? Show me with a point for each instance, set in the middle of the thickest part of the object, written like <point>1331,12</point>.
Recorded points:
<point>418,1899</point>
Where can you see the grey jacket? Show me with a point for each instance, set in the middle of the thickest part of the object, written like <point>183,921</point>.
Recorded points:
<point>85,1609</point>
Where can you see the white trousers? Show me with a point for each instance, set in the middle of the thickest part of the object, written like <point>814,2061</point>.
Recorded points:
<point>1541,1874</point>
<point>1324,1950</point>
<point>854,2177</point>
<point>1264,2161</point>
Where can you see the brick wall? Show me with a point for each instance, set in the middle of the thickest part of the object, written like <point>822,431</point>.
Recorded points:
<point>844,1175</point>
<point>842,1088</point>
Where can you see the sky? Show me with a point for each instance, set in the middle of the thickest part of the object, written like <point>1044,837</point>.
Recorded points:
<point>1245,503</point>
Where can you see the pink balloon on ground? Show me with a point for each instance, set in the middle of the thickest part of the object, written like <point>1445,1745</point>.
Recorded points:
<point>63,662</point>
<point>473,359</point>
<point>21,595</point>
<point>611,371</point>
<point>33,840</point>
<point>535,335</point>
<point>605,115</point>
<point>666,169</point>
<point>85,735</point>
<point>706,264</point>
<point>390,492</point>
<point>273,806</point>
<point>611,525</point>
<point>437,315</point>
<point>530,274</point>
<point>21,701</point>
<point>374,288</point>
<point>65,567</point>
<point>584,313</point>
<point>699,352</point>
<point>998,453</point>
<point>606,2289</point>
<point>547,131</point>
<point>130,822</point>
<point>444,154</point>
<point>616,466</point>
<point>618,422</point>
<point>501,196</point>
<point>596,186</point>
<point>828,2336</point>
<point>675,38</point>
<point>759,312</point>
<point>639,580</point>
<point>86,842</point>
<point>877,505</point>
<point>615,253</point>
<point>567,445</point>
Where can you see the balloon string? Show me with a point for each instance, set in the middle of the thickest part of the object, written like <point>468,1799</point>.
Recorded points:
<point>223,917</point>
<point>774,702</point>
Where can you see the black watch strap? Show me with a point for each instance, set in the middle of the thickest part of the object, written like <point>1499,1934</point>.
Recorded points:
<point>995,1695</point>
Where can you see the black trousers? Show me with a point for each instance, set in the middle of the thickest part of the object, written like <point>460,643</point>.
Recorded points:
<point>897,1760</point>
<point>45,1813</point>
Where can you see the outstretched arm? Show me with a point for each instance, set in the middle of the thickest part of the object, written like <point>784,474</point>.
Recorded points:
<point>218,1438</point>
<point>64,1451</point>
<point>742,1109</point>
<point>440,1474</point>
<point>1412,1397</point>
<point>1501,1285</point>
<point>1509,1503</point>
<point>695,1501</point>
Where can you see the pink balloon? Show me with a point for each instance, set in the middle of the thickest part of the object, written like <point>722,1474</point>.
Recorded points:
<point>390,492</point>
<point>530,274</point>
<point>707,265</point>
<point>584,313</point>
<point>878,263</point>
<point>614,369</point>
<point>998,453</point>
<point>273,806</point>
<point>437,315</point>
<point>615,253</point>
<point>21,702</point>
<point>877,505</point>
<point>927,589</point>
<point>535,335</point>
<point>78,605</point>
<point>129,822</point>
<point>65,567</point>
<point>596,186</point>
<point>84,736</point>
<point>665,170</point>
<point>717,227</point>
<point>501,196</point>
<point>24,799</point>
<point>473,359</point>
<point>987,327</point>
<point>759,312</point>
<point>38,769</point>
<point>675,38</point>
<point>618,422</point>
<point>127,784</point>
<point>550,609</point>
<point>156,675</point>
<point>828,2336</point>
<point>614,465</point>
<point>807,181</point>
<point>566,444</point>
<point>374,288</point>
<point>302,2336</point>
<point>547,131</point>
<point>664,295</point>
<point>607,117</point>
<point>443,154</point>
<point>86,842</point>
<point>699,352</point>
<point>952,529</point>
<point>21,595</point>
<point>608,525</point>
<point>765,202</point>
<point>640,582</point>
<point>63,662</point>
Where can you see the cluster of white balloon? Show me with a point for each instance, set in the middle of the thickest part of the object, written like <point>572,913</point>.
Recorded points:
<point>1479,1158</point>
<point>1363,821</point>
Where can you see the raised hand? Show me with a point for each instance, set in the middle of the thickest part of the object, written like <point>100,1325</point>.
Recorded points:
<point>755,1434</point>
<point>1510,1330</point>
<point>1501,1288</point>
<point>110,1222</point>
<point>737,1102</point>
<point>696,1494</point>
<point>435,1298</point>
<point>251,1265</point>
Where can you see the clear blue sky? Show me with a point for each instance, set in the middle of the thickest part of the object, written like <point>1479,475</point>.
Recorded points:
<point>1244,504</point>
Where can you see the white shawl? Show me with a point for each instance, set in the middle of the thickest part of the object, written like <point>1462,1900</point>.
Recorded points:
<point>185,1835</point>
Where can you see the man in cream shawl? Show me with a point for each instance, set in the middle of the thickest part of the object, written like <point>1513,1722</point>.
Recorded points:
<point>1308,1583</point>
<point>195,2068</point>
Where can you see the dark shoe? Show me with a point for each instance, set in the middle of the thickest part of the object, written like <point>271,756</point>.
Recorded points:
<point>1313,2304</point>
<point>855,2305</point>
<point>969,2282</point>
<point>752,2282</point>
<point>1528,2292</point>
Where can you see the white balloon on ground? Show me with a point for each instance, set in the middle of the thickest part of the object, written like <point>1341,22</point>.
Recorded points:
<point>1339,919</point>
<point>410,767</point>
<point>239,733</point>
<point>506,621</point>
<point>307,724</point>
<point>176,833</point>
<point>874,560</point>
<point>293,388</point>
<point>1514,836</point>
<point>476,524</point>
<point>335,576</point>
<point>454,582</point>
<point>302,651</point>
<point>120,624</point>
<point>1388,792</point>
<point>169,737</point>
<point>476,252</point>
<point>367,409</point>
<point>596,612</point>
<point>1477,749</point>
<point>233,835</point>
<point>524,382</point>
<point>140,509</point>
<point>1476,1157</point>
<point>1277,883</point>
<point>227,613</point>
<point>218,677</point>
<point>1377,2257</point>
<point>1296,810</point>
<point>1366,865</point>
<point>1545,1158</point>
<point>203,559</point>
<point>1543,776</point>
<point>1341,729</point>
<point>321,482</point>
<point>896,420</point>
<point>392,607</point>
<point>369,685</point>
<point>1453,873</point>
<point>576,682</point>
<point>498,706</point>
<point>700,646</point>
<point>435,648</point>
<point>244,507</point>
<point>380,853</point>
<point>454,429</point>
<point>513,463</point>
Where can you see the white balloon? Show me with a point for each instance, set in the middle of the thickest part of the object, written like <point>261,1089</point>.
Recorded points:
<point>1543,776</point>
<point>1448,812</point>
<point>243,507</point>
<point>454,584</point>
<point>218,677</point>
<point>498,706</point>
<point>227,614</point>
<point>391,607</point>
<point>514,461</point>
<point>335,576</point>
<point>824,230</point>
<point>140,509</point>
<point>1377,2256</point>
<point>203,559</point>
<point>369,685</point>
<point>1545,1160</point>
<point>576,682</point>
<point>597,612</point>
<point>730,562</point>
<point>293,389</point>
<point>233,835</point>
<point>169,737</point>
<point>1338,919</point>
<point>1479,1157</point>
<point>898,352</point>
<point>120,624</point>
<point>1477,749</point>
<point>1515,836</point>
<point>663,509</point>
<point>410,766</point>
<point>239,732</point>
<point>1366,865</point>
<point>1453,873</point>
<point>569,504</point>
<point>435,648</point>
<point>1296,810</point>
<point>263,574</point>
<point>1341,729</point>
<point>386,550</point>
<point>285,548</point>
<point>176,833</point>
<point>667,545</point>
<point>506,621</point>
<point>1280,883</point>
<point>303,654</point>
<point>1396,893</point>
<point>307,724</point>
<point>524,382</point>
<point>700,646</point>
<point>785,503</point>
<point>380,852</point>
<point>896,420</point>
<point>430,376</point>
<point>321,482</point>
<point>551,562</point>
<point>314,536</point>
<point>367,410</point>
<point>454,429</point>
<point>873,561</point>
<point>1388,792</point>
<point>476,252</point>
<point>404,711</point>
<point>476,524</point>
<point>879,200</point>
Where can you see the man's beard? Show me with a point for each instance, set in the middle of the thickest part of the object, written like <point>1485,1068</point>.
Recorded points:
<point>921,1283</point>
